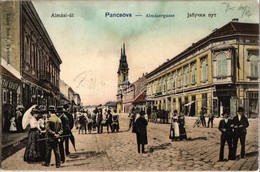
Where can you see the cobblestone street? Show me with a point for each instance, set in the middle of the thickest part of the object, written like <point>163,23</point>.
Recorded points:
<point>118,151</point>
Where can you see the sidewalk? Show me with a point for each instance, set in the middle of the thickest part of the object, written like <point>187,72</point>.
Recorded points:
<point>12,142</point>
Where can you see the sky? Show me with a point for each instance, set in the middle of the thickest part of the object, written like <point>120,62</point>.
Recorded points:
<point>89,43</point>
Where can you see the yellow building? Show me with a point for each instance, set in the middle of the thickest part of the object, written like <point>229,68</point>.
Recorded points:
<point>219,72</point>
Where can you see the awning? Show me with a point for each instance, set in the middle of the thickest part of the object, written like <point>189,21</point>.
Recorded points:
<point>9,80</point>
<point>188,104</point>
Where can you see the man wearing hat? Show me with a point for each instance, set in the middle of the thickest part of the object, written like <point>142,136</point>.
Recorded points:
<point>240,124</point>
<point>225,127</point>
<point>203,113</point>
<point>53,130</point>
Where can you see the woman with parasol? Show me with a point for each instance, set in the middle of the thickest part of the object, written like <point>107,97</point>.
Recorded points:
<point>32,151</point>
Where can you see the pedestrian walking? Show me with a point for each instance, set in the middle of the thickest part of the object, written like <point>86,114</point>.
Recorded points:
<point>132,116</point>
<point>182,129</point>
<point>90,122</point>
<point>225,127</point>
<point>174,129</point>
<point>140,128</point>
<point>109,120</point>
<point>203,113</point>
<point>32,151</point>
<point>94,118</point>
<point>99,121</point>
<point>240,122</point>
<point>211,119</point>
<point>53,131</point>
<point>82,123</point>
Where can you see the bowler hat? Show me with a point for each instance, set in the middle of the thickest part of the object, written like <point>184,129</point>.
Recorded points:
<point>241,109</point>
<point>60,109</point>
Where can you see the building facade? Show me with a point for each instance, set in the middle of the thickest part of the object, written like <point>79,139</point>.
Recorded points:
<point>11,84</point>
<point>30,61</point>
<point>219,72</point>
<point>123,82</point>
<point>135,94</point>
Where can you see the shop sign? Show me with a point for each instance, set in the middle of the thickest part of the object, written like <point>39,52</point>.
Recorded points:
<point>9,84</point>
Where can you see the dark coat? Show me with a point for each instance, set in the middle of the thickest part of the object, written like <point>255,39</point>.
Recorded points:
<point>243,121</point>
<point>140,129</point>
<point>227,126</point>
<point>65,124</point>
<point>71,119</point>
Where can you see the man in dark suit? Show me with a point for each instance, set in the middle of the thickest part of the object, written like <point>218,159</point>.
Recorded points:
<point>240,124</point>
<point>66,131</point>
<point>225,127</point>
<point>71,124</point>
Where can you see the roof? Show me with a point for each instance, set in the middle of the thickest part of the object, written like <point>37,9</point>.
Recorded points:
<point>232,28</point>
<point>140,98</point>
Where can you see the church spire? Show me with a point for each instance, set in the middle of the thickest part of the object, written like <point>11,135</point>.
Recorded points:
<point>124,48</point>
<point>123,66</point>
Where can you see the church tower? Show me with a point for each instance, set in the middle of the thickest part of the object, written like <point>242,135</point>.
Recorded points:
<point>122,72</point>
<point>122,75</point>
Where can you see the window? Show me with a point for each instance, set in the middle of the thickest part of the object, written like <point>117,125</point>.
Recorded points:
<point>169,82</point>
<point>204,70</point>
<point>179,78</point>
<point>27,49</point>
<point>193,73</point>
<point>221,65</point>
<point>4,96</point>
<point>186,76</point>
<point>164,85</point>
<point>174,80</point>
<point>254,66</point>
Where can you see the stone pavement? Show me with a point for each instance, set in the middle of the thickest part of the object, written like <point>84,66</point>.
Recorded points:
<point>118,151</point>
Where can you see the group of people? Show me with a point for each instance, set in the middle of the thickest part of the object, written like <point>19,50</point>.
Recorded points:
<point>88,121</point>
<point>203,115</point>
<point>233,130</point>
<point>49,130</point>
<point>177,128</point>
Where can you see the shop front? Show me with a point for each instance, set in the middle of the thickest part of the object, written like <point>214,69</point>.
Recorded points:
<point>11,97</point>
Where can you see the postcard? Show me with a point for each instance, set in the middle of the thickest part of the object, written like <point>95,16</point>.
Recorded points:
<point>129,85</point>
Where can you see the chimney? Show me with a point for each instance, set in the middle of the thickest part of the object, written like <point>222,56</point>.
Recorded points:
<point>215,30</point>
<point>235,20</point>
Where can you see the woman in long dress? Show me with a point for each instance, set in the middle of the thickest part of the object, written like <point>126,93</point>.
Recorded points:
<point>32,151</point>
<point>181,120</point>
<point>174,130</point>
